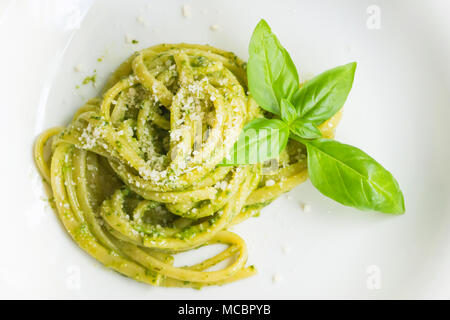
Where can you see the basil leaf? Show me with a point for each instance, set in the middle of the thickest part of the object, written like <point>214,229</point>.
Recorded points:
<point>260,140</point>
<point>351,177</point>
<point>306,130</point>
<point>324,95</point>
<point>288,111</point>
<point>271,73</point>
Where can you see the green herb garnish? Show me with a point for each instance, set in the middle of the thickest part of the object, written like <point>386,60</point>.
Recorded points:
<point>339,171</point>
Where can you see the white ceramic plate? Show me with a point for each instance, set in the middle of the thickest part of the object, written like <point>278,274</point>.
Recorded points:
<point>398,111</point>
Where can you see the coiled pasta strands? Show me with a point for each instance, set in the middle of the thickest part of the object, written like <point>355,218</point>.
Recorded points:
<point>136,177</point>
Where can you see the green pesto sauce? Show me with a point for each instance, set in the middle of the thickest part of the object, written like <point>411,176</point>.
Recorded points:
<point>90,79</point>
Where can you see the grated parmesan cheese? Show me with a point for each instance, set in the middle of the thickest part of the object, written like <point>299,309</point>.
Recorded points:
<point>306,207</point>
<point>186,10</point>
<point>286,249</point>
<point>214,27</point>
<point>270,183</point>
<point>78,68</point>
<point>277,278</point>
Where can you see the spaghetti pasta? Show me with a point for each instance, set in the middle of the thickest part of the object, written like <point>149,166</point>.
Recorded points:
<point>135,176</point>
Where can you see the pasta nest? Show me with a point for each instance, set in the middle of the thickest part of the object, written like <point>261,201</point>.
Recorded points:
<point>136,175</point>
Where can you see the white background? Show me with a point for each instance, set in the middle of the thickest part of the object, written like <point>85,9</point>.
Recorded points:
<point>398,111</point>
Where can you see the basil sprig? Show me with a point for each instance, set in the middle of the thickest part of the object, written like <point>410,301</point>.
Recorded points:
<point>341,172</point>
